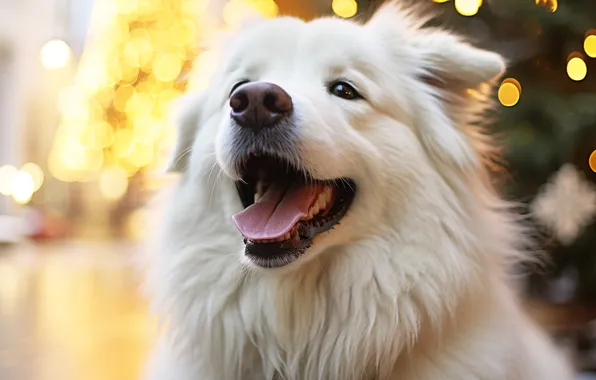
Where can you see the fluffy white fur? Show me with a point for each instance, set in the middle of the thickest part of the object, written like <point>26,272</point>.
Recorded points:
<point>412,284</point>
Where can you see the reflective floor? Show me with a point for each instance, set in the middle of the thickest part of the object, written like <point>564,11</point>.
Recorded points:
<point>71,312</point>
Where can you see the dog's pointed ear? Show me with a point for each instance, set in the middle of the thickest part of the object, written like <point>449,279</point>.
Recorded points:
<point>187,114</point>
<point>441,55</point>
<point>446,57</point>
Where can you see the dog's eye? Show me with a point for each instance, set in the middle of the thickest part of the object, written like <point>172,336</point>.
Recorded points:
<point>344,91</point>
<point>238,85</point>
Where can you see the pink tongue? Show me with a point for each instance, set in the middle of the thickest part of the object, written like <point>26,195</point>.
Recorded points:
<point>276,212</point>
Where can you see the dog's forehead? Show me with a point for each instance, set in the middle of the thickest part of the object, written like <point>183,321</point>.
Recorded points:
<point>288,42</point>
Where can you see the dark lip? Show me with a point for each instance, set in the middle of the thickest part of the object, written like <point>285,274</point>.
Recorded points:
<point>279,254</point>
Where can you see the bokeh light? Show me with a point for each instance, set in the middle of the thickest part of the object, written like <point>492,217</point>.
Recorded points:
<point>592,161</point>
<point>23,187</point>
<point>345,8</point>
<point>113,183</point>
<point>7,174</point>
<point>167,67</point>
<point>590,44</point>
<point>509,92</point>
<point>55,54</point>
<point>577,68</point>
<point>550,5</point>
<point>36,174</point>
<point>468,7</point>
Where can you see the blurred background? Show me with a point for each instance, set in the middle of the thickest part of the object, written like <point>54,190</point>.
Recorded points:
<point>85,89</point>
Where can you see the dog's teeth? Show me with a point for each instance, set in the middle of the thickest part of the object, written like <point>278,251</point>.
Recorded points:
<point>328,193</point>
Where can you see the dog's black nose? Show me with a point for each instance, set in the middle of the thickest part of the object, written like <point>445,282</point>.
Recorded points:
<point>259,105</point>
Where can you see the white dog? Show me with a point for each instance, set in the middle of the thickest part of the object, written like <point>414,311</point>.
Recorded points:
<point>335,219</point>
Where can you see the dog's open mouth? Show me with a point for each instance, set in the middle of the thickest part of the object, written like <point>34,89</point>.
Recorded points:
<point>285,209</point>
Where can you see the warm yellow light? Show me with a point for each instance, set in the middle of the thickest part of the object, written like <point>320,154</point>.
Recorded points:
<point>130,74</point>
<point>577,69</point>
<point>139,105</point>
<point>509,92</point>
<point>123,143</point>
<point>55,54</point>
<point>267,8</point>
<point>138,51</point>
<point>167,67</point>
<point>141,154</point>
<point>592,161</point>
<point>97,136</point>
<point>440,1</point>
<point>128,6</point>
<point>184,33</point>
<point>23,187</point>
<point>92,160</point>
<point>121,96</point>
<point>234,11</point>
<point>117,108</point>
<point>36,173</point>
<point>113,183</point>
<point>147,130</point>
<point>468,7</point>
<point>72,155</point>
<point>136,225</point>
<point>590,45</point>
<point>7,175</point>
<point>550,5</point>
<point>345,8</point>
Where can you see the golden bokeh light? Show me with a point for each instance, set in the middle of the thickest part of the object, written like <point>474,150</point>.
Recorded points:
<point>23,187</point>
<point>113,183</point>
<point>509,92</point>
<point>550,5</point>
<point>577,68</point>
<point>590,44</point>
<point>7,174</point>
<point>123,143</point>
<point>141,155</point>
<point>36,173</point>
<point>167,67</point>
<point>55,54</point>
<point>267,8</point>
<point>345,8</point>
<point>115,114</point>
<point>592,161</point>
<point>468,7</point>
<point>121,96</point>
<point>183,33</point>
<point>440,1</point>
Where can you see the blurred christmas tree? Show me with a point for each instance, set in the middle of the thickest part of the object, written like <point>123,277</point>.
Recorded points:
<point>115,128</point>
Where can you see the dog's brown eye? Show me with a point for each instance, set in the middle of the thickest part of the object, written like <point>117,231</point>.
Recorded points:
<point>238,85</point>
<point>344,91</point>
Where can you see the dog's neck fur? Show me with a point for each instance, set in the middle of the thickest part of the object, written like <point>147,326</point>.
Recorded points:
<point>342,316</point>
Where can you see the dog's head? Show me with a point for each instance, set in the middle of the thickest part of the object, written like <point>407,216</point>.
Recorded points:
<point>329,129</point>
